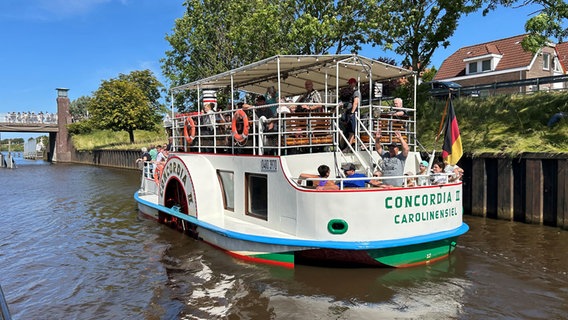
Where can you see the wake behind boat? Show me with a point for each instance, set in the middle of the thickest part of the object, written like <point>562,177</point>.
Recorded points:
<point>245,180</point>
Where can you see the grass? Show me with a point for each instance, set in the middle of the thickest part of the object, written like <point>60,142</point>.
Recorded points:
<point>507,125</point>
<point>110,140</point>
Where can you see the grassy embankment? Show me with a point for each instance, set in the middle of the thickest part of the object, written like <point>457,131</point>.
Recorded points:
<point>507,125</point>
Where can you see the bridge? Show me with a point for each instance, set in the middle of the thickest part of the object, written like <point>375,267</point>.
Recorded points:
<point>28,122</point>
<point>55,124</point>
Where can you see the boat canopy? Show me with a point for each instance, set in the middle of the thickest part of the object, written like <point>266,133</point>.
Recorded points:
<point>325,71</point>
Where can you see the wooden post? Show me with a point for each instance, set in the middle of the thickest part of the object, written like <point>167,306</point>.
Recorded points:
<point>534,190</point>
<point>562,198</point>
<point>478,195</point>
<point>505,189</point>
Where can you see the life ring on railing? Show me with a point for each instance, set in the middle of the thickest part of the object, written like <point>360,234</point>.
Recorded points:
<point>158,172</point>
<point>240,137</point>
<point>189,136</point>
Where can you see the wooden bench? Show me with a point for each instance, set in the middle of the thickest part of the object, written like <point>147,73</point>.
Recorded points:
<point>389,125</point>
<point>308,128</point>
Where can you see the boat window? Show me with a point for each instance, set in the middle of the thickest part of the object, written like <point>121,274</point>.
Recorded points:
<point>227,181</point>
<point>257,195</point>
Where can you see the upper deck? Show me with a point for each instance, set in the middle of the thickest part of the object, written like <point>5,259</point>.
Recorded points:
<point>277,128</point>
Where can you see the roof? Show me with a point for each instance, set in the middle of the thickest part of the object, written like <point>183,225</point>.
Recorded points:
<point>295,70</point>
<point>513,56</point>
<point>562,51</point>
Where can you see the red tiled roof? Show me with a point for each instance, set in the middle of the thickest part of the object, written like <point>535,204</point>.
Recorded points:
<point>514,56</point>
<point>562,51</point>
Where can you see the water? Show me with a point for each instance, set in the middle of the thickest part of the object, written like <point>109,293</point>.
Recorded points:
<point>73,247</point>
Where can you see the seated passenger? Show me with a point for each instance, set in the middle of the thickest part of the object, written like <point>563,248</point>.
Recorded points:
<point>410,181</point>
<point>423,180</point>
<point>349,170</point>
<point>262,112</point>
<point>323,171</point>
<point>438,175</point>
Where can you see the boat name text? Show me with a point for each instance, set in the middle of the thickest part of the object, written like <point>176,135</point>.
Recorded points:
<point>418,200</point>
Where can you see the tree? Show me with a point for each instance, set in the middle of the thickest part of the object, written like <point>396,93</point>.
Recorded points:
<point>415,29</point>
<point>122,104</point>
<point>79,108</point>
<point>548,22</point>
<point>214,36</point>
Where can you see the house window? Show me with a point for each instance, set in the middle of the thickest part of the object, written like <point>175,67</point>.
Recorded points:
<point>257,195</point>
<point>556,65</point>
<point>546,61</point>
<point>472,67</point>
<point>486,65</point>
<point>227,181</point>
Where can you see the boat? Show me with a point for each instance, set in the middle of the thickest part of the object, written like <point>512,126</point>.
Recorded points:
<point>236,184</point>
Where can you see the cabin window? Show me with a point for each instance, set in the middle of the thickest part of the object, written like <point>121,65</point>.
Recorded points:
<point>486,65</point>
<point>472,67</point>
<point>227,181</point>
<point>257,195</point>
<point>546,61</point>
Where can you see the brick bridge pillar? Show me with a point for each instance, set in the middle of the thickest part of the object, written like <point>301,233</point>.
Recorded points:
<point>62,152</point>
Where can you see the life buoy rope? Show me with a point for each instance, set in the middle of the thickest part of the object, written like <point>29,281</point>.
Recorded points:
<point>159,168</point>
<point>189,136</point>
<point>240,137</point>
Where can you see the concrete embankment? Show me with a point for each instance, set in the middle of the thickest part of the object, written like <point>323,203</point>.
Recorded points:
<point>530,188</point>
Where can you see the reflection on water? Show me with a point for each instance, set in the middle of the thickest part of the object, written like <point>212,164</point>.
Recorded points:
<point>73,247</point>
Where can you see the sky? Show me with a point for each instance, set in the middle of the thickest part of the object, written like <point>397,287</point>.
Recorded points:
<point>75,44</point>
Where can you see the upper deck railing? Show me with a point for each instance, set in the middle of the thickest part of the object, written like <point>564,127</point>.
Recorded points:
<point>288,132</point>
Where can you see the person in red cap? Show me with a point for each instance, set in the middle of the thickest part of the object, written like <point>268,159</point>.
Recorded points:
<point>354,105</point>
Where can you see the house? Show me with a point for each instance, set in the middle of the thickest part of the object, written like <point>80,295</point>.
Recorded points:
<point>503,60</point>
<point>562,54</point>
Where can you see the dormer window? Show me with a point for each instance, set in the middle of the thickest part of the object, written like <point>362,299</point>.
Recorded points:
<point>481,64</point>
<point>546,61</point>
<point>486,65</point>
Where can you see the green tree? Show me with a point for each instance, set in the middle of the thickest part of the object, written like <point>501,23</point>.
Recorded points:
<point>216,35</point>
<point>123,105</point>
<point>415,29</point>
<point>79,108</point>
<point>549,21</point>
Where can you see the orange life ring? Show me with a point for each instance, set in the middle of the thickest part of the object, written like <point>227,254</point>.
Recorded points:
<point>191,135</point>
<point>240,137</point>
<point>158,172</point>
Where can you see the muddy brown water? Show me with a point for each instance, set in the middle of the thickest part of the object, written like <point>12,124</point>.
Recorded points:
<point>72,246</point>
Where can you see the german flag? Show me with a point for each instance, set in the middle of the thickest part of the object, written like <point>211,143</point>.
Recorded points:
<point>452,148</point>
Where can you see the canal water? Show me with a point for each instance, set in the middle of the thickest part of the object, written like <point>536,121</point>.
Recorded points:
<point>72,246</point>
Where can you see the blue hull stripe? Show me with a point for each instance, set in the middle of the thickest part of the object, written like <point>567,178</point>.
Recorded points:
<point>344,245</point>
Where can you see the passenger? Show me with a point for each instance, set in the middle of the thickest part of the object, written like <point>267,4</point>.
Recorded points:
<point>397,110</point>
<point>208,119</point>
<point>272,99</point>
<point>323,171</point>
<point>349,170</point>
<point>438,175</point>
<point>410,181</point>
<point>170,145</point>
<point>393,160</point>
<point>160,155</point>
<point>143,161</point>
<point>262,112</point>
<point>423,173</point>
<point>311,96</point>
<point>354,106</point>
<point>153,153</point>
<point>457,174</point>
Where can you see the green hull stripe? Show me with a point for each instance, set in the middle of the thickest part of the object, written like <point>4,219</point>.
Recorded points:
<point>280,257</point>
<point>414,254</point>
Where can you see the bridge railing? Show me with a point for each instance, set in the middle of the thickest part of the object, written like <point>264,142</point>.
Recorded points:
<point>28,117</point>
